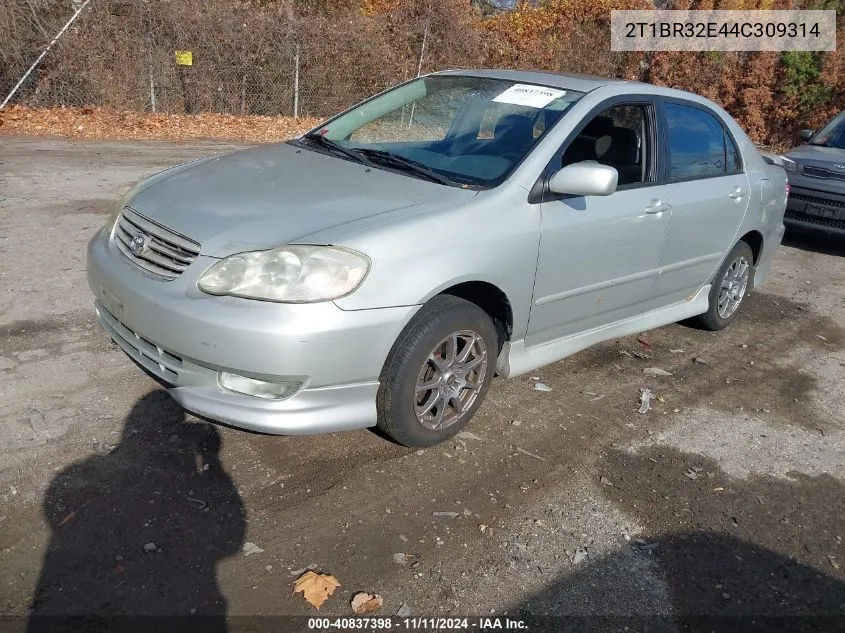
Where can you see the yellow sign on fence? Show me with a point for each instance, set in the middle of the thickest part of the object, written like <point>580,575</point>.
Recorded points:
<point>185,58</point>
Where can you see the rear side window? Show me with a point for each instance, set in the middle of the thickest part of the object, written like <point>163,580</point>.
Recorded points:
<point>697,144</point>
<point>734,161</point>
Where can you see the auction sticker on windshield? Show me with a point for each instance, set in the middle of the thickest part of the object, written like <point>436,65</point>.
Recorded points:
<point>528,95</point>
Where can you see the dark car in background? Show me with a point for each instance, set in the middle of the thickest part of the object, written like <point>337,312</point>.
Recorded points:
<point>816,172</point>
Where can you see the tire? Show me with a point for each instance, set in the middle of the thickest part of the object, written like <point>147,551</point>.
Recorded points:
<point>421,356</point>
<point>725,299</point>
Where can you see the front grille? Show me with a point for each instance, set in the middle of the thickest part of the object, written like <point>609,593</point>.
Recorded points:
<point>811,219</point>
<point>160,252</point>
<point>144,352</point>
<point>821,172</point>
<point>825,201</point>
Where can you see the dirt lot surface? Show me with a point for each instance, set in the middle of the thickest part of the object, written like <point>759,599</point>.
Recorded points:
<point>726,499</point>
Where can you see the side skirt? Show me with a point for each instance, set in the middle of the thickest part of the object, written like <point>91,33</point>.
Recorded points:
<point>516,359</point>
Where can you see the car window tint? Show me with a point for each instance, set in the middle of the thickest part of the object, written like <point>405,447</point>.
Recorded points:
<point>615,137</point>
<point>734,162</point>
<point>696,143</point>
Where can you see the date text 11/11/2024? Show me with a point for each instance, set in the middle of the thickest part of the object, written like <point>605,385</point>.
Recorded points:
<point>417,624</point>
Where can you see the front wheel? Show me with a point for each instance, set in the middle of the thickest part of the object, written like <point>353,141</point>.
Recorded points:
<point>437,373</point>
<point>730,285</point>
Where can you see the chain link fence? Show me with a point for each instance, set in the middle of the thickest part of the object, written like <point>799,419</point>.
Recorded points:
<point>246,58</point>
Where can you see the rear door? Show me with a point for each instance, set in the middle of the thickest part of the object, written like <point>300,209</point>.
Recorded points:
<point>709,192</point>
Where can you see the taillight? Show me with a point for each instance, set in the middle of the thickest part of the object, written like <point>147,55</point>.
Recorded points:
<point>786,188</point>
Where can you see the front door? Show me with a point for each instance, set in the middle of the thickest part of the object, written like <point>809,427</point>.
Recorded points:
<point>600,255</point>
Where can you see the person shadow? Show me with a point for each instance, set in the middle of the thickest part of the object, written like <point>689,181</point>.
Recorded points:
<point>137,530</point>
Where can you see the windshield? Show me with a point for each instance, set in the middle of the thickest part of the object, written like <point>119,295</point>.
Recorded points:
<point>463,131</point>
<point>832,134</point>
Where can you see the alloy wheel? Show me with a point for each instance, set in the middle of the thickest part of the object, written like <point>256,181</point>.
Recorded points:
<point>450,380</point>
<point>734,285</point>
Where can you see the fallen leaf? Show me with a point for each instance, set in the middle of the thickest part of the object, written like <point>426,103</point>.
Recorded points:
<point>316,588</point>
<point>644,342</point>
<point>656,371</point>
<point>363,602</point>
<point>106,123</point>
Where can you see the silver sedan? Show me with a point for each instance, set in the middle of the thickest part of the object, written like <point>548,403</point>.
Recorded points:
<point>383,267</point>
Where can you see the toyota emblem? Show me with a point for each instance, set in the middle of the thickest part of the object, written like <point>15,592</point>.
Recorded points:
<point>139,244</point>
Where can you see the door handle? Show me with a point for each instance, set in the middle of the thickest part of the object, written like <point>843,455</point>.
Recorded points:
<point>738,193</point>
<point>657,206</point>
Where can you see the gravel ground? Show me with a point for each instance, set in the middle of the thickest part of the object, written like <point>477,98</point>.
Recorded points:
<point>724,503</point>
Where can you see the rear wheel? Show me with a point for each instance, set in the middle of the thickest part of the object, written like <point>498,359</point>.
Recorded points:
<point>437,373</point>
<point>730,286</point>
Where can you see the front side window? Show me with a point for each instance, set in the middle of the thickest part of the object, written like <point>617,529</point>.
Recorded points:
<point>696,143</point>
<point>464,131</point>
<point>619,137</point>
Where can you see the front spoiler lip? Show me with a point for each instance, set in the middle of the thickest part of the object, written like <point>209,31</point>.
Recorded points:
<point>309,412</point>
<point>194,386</point>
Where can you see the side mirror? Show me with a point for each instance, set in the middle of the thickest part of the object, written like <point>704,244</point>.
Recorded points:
<point>805,135</point>
<point>587,178</point>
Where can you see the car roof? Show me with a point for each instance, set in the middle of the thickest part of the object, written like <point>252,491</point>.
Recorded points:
<point>583,83</point>
<point>568,81</point>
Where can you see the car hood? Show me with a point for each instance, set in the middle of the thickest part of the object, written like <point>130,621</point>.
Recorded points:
<point>816,154</point>
<point>276,194</point>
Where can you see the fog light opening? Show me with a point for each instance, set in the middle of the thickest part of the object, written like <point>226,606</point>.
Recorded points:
<point>258,388</point>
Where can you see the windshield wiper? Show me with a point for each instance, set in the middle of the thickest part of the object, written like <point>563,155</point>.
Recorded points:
<point>327,143</point>
<point>405,164</point>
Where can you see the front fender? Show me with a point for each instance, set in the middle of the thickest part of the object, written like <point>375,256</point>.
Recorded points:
<point>494,239</point>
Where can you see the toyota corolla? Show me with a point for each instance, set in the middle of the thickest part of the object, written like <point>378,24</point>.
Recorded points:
<point>381,269</point>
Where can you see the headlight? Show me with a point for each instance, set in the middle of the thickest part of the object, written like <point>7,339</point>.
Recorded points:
<point>289,274</point>
<point>789,165</point>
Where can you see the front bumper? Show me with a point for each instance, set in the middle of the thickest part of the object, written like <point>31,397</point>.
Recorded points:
<point>185,338</point>
<point>817,211</point>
